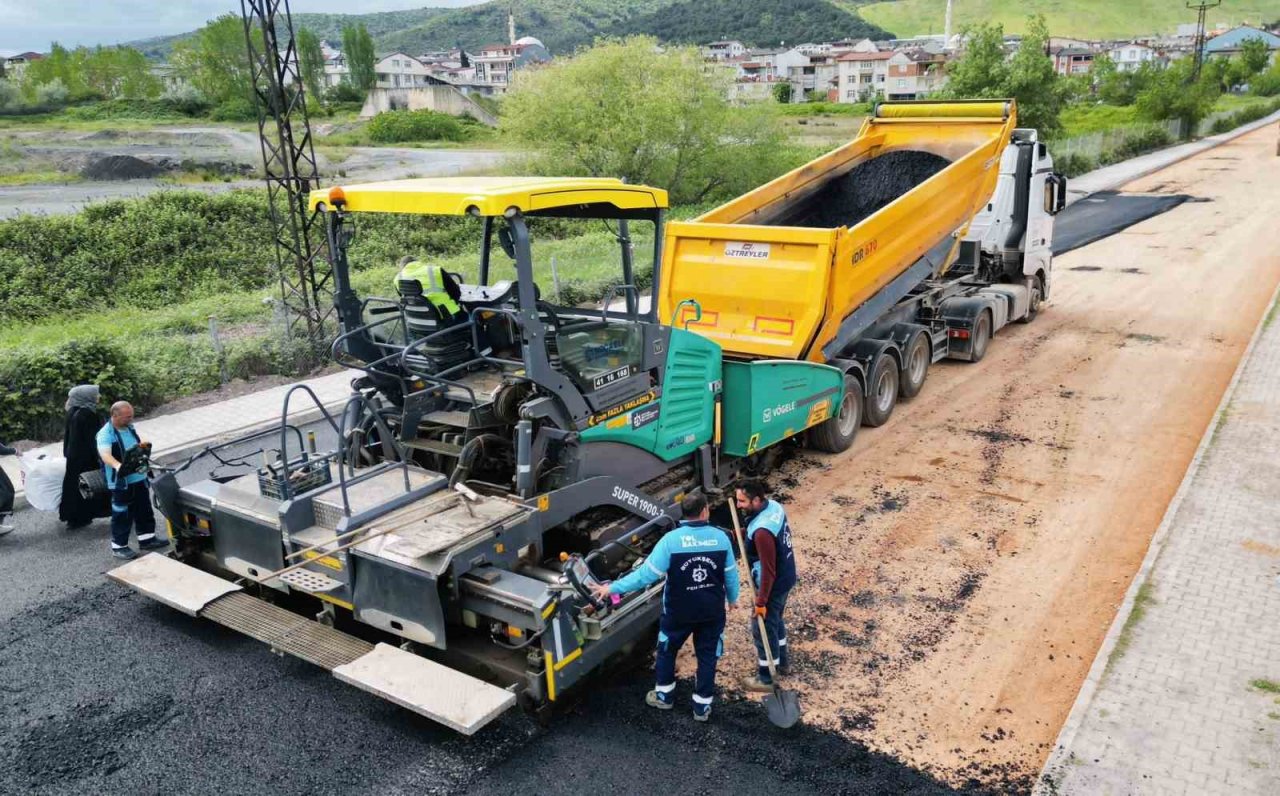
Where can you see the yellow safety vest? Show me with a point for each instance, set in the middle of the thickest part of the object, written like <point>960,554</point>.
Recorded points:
<point>431,277</point>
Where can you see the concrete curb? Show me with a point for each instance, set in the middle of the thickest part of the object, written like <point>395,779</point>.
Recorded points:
<point>178,453</point>
<point>1175,154</point>
<point>1060,756</point>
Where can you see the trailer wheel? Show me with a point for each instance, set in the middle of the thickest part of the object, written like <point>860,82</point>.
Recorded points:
<point>1033,306</point>
<point>882,396</point>
<point>919,356</point>
<point>981,337</point>
<point>836,433</point>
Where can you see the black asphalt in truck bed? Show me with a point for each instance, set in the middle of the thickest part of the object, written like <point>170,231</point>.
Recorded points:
<point>104,691</point>
<point>1103,214</point>
<point>870,186</point>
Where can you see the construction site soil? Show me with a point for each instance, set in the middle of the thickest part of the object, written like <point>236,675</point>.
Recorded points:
<point>959,568</point>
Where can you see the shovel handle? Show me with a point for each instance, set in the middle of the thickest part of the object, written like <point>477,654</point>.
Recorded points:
<point>751,587</point>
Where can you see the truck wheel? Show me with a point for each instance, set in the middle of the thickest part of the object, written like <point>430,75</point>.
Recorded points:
<point>882,395</point>
<point>981,337</point>
<point>836,433</point>
<point>919,357</point>
<point>1033,306</point>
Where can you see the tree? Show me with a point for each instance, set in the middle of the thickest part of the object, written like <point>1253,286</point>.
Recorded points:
<point>1254,56</point>
<point>98,73</point>
<point>118,73</point>
<point>626,109</point>
<point>1034,82</point>
<point>215,61</point>
<point>311,63</point>
<point>357,48</point>
<point>982,72</point>
<point>782,93</point>
<point>1174,95</point>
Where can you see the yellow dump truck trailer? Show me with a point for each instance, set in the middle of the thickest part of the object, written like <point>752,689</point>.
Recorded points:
<point>915,241</point>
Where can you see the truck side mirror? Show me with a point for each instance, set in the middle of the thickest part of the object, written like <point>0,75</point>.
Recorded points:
<point>1055,194</point>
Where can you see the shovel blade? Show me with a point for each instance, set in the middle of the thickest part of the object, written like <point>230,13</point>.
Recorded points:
<point>782,707</point>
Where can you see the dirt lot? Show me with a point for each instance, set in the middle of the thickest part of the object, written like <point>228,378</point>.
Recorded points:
<point>134,159</point>
<point>962,564</point>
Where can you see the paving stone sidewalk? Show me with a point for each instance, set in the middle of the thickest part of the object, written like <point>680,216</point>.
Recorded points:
<point>1180,699</point>
<point>182,433</point>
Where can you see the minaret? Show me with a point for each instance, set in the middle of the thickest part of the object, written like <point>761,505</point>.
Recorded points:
<point>946,27</point>
<point>511,24</point>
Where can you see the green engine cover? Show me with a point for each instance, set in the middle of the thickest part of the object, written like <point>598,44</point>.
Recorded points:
<point>766,401</point>
<point>684,417</point>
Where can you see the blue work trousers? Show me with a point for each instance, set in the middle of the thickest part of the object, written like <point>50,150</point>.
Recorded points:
<point>775,626</point>
<point>707,645</point>
<point>131,508</point>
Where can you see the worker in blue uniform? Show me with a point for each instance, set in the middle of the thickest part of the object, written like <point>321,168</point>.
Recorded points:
<point>702,583</point>
<point>773,570</point>
<point>130,493</point>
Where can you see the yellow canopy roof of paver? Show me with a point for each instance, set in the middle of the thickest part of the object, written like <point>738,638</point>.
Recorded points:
<point>492,196</point>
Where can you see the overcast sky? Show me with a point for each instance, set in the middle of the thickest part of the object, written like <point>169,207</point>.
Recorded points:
<point>33,24</point>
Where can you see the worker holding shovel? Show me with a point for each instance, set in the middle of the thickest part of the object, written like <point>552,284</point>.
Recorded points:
<point>702,582</point>
<point>773,571</point>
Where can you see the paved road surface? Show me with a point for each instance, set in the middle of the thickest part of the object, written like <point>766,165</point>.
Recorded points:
<point>108,692</point>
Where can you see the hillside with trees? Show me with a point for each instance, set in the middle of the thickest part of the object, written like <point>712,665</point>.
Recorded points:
<point>1089,19</point>
<point>753,22</point>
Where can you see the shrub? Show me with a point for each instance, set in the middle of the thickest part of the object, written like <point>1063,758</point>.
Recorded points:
<point>168,247</point>
<point>1073,164</point>
<point>159,110</point>
<point>234,110</point>
<point>344,92</point>
<point>35,384</point>
<point>10,95</point>
<point>51,94</point>
<point>1249,113</point>
<point>1137,142</point>
<point>1266,84</point>
<point>397,126</point>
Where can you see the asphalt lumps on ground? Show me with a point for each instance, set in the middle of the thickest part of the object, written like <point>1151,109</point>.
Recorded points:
<point>870,186</point>
<point>108,692</point>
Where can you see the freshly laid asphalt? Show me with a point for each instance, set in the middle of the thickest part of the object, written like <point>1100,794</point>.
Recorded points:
<point>105,691</point>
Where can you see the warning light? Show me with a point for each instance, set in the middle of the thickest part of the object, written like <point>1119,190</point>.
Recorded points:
<point>564,556</point>
<point>336,196</point>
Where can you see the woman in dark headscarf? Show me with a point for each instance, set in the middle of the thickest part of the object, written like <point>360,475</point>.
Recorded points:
<point>81,452</point>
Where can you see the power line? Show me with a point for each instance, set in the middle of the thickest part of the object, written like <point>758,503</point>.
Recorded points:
<point>1202,9</point>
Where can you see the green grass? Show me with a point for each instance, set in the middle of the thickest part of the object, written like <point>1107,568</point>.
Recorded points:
<point>1271,315</point>
<point>56,123</point>
<point>38,177</point>
<point>588,259</point>
<point>1082,18</point>
<point>1268,686</point>
<point>1144,598</point>
<point>358,135</point>
<point>825,109</point>
<point>1085,119</point>
<point>123,323</point>
<point>1234,102</point>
